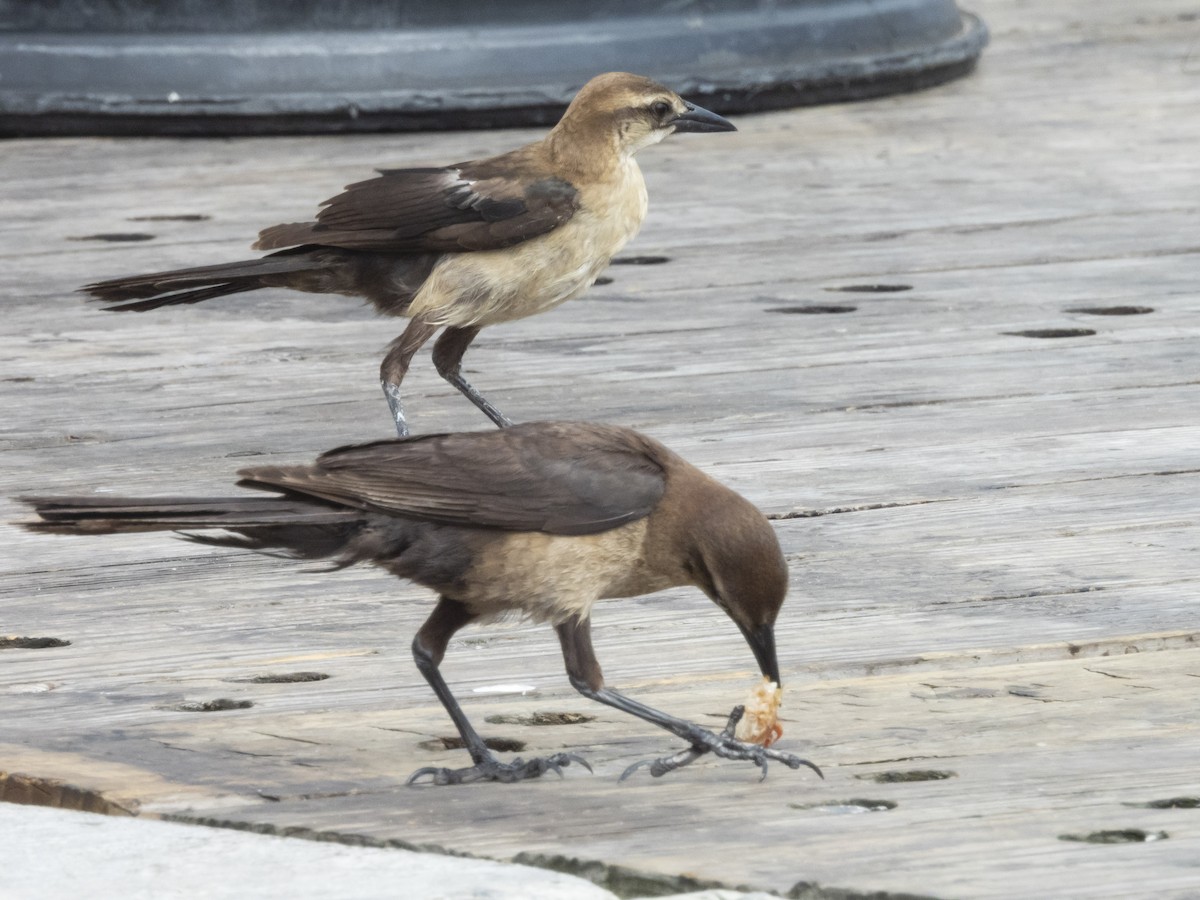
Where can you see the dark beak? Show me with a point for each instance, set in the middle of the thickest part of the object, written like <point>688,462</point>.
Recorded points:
<point>699,120</point>
<point>762,642</point>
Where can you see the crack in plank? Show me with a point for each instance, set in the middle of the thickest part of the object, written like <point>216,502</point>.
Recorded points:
<point>859,507</point>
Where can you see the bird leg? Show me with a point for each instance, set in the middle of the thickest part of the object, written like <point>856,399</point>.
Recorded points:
<point>447,359</point>
<point>429,648</point>
<point>395,366</point>
<point>583,669</point>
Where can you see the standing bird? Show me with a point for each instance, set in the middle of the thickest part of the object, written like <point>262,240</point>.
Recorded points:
<point>541,519</point>
<point>465,246</point>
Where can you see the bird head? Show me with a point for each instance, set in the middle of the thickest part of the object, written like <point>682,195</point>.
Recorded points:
<point>739,564</point>
<point>633,112</point>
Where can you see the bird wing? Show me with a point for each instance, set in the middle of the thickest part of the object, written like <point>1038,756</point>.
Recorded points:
<point>482,205</point>
<point>564,478</point>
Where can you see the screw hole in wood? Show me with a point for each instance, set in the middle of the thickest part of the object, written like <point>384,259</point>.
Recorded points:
<point>1116,836</point>
<point>221,704</point>
<point>812,309</point>
<point>1112,310</point>
<point>283,678</point>
<point>1170,803</point>
<point>899,777</point>
<point>871,288</point>
<point>842,807</point>
<point>120,237</point>
<point>541,718</point>
<point>1051,333</point>
<point>31,643</point>
<point>640,260</point>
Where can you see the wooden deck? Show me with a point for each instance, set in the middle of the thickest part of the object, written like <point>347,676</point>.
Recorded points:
<point>993,536</point>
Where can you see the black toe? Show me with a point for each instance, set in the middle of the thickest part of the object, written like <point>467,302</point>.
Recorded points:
<point>492,769</point>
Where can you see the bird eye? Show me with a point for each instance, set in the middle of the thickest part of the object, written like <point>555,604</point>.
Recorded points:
<point>660,108</point>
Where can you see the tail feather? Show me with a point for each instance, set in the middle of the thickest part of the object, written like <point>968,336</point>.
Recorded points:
<point>293,540</point>
<point>194,296</point>
<point>110,515</point>
<point>301,529</point>
<point>193,285</point>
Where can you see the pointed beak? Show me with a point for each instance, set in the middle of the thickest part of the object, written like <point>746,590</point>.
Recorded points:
<point>699,120</point>
<point>762,642</point>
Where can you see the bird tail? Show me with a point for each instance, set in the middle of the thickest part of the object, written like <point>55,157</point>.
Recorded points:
<point>139,293</point>
<point>302,528</point>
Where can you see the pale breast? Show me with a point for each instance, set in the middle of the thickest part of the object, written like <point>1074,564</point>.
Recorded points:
<point>487,287</point>
<point>552,577</point>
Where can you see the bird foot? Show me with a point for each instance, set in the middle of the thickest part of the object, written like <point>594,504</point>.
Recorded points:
<point>723,745</point>
<point>491,769</point>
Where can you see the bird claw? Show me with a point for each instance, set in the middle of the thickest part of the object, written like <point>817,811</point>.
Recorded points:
<point>571,757</point>
<point>491,769</point>
<point>724,745</point>
<point>661,766</point>
<point>734,749</point>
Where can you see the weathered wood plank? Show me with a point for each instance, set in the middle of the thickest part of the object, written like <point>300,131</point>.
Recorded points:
<point>993,563</point>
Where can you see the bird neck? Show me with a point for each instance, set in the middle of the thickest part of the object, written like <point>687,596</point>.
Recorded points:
<point>587,150</point>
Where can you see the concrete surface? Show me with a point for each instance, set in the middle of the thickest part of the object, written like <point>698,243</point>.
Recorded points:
<point>56,854</point>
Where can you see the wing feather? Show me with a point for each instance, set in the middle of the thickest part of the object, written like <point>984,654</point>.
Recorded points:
<point>558,478</point>
<point>483,205</point>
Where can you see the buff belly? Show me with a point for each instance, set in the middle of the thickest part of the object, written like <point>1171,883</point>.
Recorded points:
<point>488,287</point>
<point>550,578</point>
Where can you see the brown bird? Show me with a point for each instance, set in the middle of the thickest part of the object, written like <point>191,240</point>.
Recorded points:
<point>541,519</point>
<point>465,246</point>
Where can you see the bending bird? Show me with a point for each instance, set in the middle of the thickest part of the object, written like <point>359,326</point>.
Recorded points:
<point>541,519</point>
<point>465,246</point>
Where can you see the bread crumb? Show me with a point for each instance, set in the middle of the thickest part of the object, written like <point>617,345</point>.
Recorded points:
<point>760,722</point>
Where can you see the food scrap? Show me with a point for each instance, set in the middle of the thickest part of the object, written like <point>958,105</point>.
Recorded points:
<point>760,722</point>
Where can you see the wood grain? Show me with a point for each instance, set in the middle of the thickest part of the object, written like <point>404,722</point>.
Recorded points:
<point>993,538</point>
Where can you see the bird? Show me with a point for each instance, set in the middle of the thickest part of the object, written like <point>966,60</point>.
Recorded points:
<point>464,246</point>
<point>541,519</point>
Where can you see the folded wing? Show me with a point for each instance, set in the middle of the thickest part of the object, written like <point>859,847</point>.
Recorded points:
<point>567,478</point>
<point>482,205</point>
